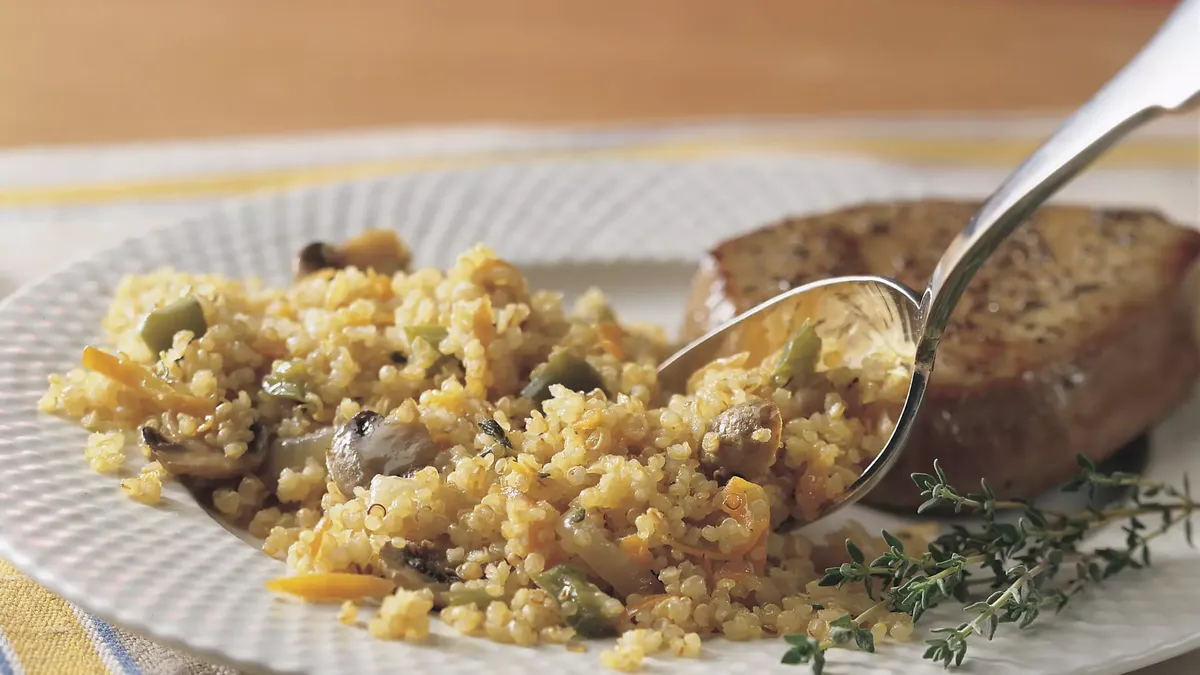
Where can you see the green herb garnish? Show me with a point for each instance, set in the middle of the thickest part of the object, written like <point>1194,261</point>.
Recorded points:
<point>492,428</point>
<point>1002,572</point>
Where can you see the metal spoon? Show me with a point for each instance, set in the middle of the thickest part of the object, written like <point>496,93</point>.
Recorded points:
<point>862,311</point>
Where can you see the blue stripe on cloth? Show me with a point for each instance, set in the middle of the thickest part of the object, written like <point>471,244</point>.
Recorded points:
<point>109,636</point>
<point>6,668</point>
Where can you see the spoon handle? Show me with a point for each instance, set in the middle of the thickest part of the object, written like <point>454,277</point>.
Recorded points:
<point>1163,77</point>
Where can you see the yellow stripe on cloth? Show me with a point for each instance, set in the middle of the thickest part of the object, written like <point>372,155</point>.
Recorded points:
<point>1162,153</point>
<point>44,632</point>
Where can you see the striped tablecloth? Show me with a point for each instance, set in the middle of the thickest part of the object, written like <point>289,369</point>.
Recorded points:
<point>58,204</point>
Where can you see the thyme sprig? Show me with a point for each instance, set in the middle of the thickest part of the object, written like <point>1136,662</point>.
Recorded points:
<point>842,631</point>
<point>1034,563</point>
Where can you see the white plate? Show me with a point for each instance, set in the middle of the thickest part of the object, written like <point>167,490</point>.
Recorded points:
<point>175,575</point>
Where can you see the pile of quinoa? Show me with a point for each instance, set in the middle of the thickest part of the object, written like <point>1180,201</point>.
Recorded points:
<point>622,461</point>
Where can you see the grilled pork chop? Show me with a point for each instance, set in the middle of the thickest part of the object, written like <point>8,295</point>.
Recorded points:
<point>1074,338</point>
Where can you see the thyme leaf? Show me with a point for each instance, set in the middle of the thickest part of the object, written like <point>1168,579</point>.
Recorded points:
<point>1039,562</point>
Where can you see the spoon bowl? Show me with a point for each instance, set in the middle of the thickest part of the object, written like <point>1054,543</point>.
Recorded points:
<point>872,313</point>
<point>858,314</point>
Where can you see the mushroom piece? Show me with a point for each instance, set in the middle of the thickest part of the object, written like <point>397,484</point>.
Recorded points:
<point>416,566</point>
<point>749,436</point>
<point>379,250</point>
<point>198,459</point>
<point>372,445</point>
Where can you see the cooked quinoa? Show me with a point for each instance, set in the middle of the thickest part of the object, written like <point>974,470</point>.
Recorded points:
<point>672,540</point>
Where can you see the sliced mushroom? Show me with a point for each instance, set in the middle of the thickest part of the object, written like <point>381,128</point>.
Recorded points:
<point>415,566</point>
<point>198,459</point>
<point>379,250</point>
<point>750,435</point>
<point>419,564</point>
<point>372,445</point>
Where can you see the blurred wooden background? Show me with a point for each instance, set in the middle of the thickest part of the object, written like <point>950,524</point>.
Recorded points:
<point>89,71</point>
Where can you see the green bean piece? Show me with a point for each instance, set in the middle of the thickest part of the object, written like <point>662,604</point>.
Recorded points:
<point>433,335</point>
<point>286,380</point>
<point>159,327</point>
<point>469,596</point>
<point>565,368</point>
<point>567,584</point>
<point>798,361</point>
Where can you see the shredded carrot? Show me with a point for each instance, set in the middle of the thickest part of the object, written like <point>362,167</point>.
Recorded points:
<point>644,604</point>
<point>337,586</point>
<point>383,319</point>
<point>483,321</point>
<point>139,379</point>
<point>610,338</point>
<point>740,494</point>
<point>735,499</point>
<point>758,553</point>
<point>731,503</point>
<point>741,571</point>
<point>381,285</point>
<point>546,545</point>
<point>706,553</point>
<point>319,535</point>
<point>494,273</point>
<point>272,349</point>
<point>635,547</point>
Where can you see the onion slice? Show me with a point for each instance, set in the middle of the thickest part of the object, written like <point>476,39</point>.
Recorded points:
<point>605,558</point>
